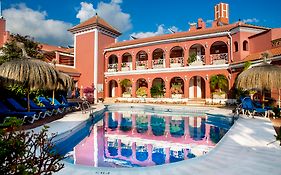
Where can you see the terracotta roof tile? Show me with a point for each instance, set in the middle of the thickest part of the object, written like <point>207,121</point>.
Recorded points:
<point>256,56</point>
<point>183,34</point>
<point>94,21</point>
<point>51,48</point>
<point>68,70</point>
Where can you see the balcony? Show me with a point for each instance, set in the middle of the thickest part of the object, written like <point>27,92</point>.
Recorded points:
<point>221,58</point>
<point>112,67</point>
<point>158,63</point>
<point>141,65</point>
<point>127,66</point>
<point>176,62</point>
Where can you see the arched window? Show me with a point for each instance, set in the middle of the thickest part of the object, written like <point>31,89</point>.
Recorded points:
<point>245,45</point>
<point>235,46</point>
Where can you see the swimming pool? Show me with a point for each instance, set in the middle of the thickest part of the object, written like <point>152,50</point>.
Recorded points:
<point>140,136</point>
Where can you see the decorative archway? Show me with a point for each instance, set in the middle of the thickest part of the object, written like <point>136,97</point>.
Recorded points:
<point>196,54</point>
<point>141,87</point>
<point>197,87</point>
<point>176,56</point>
<point>177,87</point>
<point>126,62</point>
<point>141,60</point>
<point>112,63</point>
<point>219,53</point>
<point>113,86</point>
<point>158,58</point>
<point>126,87</point>
<point>158,88</point>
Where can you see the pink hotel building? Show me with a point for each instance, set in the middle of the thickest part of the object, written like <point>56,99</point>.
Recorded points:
<point>98,60</point>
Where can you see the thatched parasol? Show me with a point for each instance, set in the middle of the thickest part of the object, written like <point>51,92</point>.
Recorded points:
<point>264,76</point>
<point>64,82</point>
<point>30,73</point>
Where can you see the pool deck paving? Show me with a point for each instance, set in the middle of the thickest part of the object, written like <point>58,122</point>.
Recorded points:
<point>245,149</point>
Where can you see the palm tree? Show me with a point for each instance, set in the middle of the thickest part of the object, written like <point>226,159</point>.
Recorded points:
<point>218,82</point>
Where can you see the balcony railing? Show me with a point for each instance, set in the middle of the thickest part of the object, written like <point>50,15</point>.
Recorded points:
<point>127,66</point>
<point>140,65</point>
<point>176,62</point>
<point>221,58</point>
<point>112,67</point>
<point>158,63</point>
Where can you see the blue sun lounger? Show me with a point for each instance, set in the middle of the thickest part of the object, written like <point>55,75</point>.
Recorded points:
<point>25,116</point>
<point>41,113</point>
<point>49,106</point>
<point>249,108</point>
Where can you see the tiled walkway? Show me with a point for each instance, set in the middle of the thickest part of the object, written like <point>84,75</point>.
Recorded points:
<point>243,150</point>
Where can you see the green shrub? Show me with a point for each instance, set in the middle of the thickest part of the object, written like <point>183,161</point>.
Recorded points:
<point>142,91</point>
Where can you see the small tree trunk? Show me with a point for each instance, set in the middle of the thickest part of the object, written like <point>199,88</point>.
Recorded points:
<point>53,100</point>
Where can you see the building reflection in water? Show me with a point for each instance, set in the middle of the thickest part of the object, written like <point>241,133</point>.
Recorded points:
<point>132,140</point>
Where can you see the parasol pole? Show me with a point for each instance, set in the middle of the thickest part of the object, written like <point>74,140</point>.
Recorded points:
<point>53,100</point>
<point>279,98</point>
<point>28,104</point>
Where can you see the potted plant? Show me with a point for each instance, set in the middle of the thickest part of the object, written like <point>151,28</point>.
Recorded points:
<point>126,84</point>
<point>89,94</point>
<point>219,86</point>
<point>176,90</point>
<point>157,90</point>
<point>141,92</point>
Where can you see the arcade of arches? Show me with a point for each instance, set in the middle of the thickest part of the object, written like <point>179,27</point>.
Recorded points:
<point>193,87</point>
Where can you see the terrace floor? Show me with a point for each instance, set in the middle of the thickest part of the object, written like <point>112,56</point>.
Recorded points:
<point>243,150</point>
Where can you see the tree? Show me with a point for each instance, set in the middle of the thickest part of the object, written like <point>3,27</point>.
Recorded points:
<point>218,82</point>
<point>11,50</point>
<point>24,152</point>
<point>126,84</point>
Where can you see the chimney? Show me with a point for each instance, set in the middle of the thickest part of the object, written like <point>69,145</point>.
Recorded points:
<point>192,26</point>
<point>222,13</point>
<point>201,24</point>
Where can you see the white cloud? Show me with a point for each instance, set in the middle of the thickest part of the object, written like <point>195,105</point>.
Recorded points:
<point>26,21</point>
<point>250,20</point>
<point>160,31</point>
<point>87,11</point>
<point>111,12</point>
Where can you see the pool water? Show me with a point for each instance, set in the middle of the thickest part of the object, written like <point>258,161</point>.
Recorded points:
<point>140,139</point>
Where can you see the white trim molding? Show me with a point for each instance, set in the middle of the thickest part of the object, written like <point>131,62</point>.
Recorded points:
<point>169,70</point>
<point>168,41</point>
<point>96,55</point>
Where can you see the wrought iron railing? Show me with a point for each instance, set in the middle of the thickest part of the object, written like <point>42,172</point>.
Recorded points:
<point>221,58</point>
<point>112,67</point>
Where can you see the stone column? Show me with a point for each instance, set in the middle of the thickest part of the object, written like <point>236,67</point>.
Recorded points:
<point>186,128</point>
<point>134,123</point>
<point>207,56</point>
<point>167,59</point>
<point>186,87</point>
<point>149,150</point>
<point>149,128</point>
<point>134,147</point>
<point>107,89</point>
<point>149,61</point>
<point>167,87</point>
<point>186,55</point>
<point>134,60</point>
<point>149,85</point>
<point>119,63</point>
<point>119,147</point>
<point>167,126</point>
<point>106,64</point>
<point>167,155</point>
<point>133,89</point>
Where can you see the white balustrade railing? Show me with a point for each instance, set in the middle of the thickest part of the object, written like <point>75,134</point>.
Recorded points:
<point>158,63</point>
<point>221,58</point>
<point>112,67</point>
<point>141,64</point>
<point>176,62</point>
<point>126,66</point>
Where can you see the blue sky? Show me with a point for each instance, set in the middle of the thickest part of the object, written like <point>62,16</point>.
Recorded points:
<point>48,20</point>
